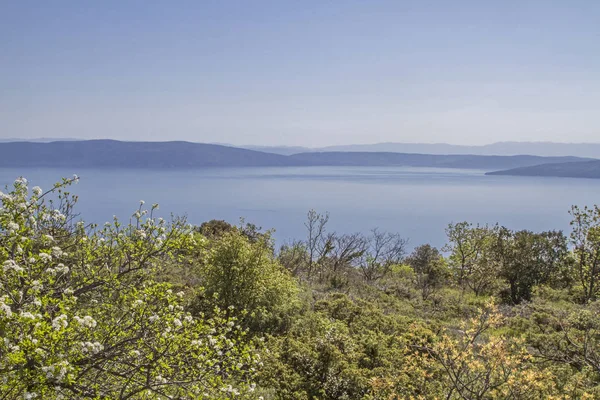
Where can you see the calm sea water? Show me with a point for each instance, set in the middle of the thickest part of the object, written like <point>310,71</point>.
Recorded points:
<point>416,202</point>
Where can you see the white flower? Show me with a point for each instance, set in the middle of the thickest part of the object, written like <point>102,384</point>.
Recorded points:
<point>61,268</point>
<point>12,227</point>
<point>11,265</point>
<point>5,307</point>
<point>86,321</point>
<point>45,257</point>
<point>57,251</point>
<point>60,322</point>
<point>93,348</point>
<point>27,315</point>
<point>37,190</point>
<point>142,202</point>
<point>177,323</point>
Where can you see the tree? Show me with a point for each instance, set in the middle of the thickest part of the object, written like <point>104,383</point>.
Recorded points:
<point>244,278</point>
<point>383,250</point>
<point>470,258</point>
<point>430,269</point>
<point>81,315</point>
<point>318,244</point>
<point>528,259</point>
<point>585,239</point>
<point>215,228</point>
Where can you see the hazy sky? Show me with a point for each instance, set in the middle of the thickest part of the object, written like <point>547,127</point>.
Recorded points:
<point>301,72</point>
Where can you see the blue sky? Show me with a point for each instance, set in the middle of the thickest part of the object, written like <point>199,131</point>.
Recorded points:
<point>305,72</point>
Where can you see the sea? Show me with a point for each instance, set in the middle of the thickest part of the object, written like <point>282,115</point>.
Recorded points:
<point>417,203</point>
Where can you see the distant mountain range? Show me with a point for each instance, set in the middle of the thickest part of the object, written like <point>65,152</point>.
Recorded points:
<point>40,140</point>
<point>426,160</point>
<point>546,149</point>
<point>117,154</point>
<point>585,169</point>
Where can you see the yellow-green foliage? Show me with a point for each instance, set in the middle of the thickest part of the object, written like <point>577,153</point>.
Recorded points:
<point>244,277</point>
<point>157,310</point>
<point>82,317</point>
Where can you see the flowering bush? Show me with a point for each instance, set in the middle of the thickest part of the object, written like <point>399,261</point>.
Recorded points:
<point>82,317</point>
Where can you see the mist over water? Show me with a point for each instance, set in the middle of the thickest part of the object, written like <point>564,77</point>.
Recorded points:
<point>418,203</point>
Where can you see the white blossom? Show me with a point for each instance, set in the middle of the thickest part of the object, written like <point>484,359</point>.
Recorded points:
<point>91,347</point>
<point>45,257</point>
<point>60,322</point>
<point>27,315</point>
<point>86,321</point>
<point>5,307</point>
<point>11,265</point>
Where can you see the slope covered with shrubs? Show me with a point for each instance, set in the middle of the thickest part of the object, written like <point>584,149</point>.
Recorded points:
<point>161,309</point>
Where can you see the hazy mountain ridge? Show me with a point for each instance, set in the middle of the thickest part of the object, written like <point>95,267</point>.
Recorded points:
<point>382,159</point>
<point>585,169</point>
<point>116,154</point>
<point>545,149</point>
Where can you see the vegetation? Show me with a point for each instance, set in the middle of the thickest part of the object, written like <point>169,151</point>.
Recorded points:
<point>163,310</point>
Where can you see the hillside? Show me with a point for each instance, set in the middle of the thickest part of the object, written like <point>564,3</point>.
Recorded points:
<point>544,149</point>
<point>112,153</point>
<point>425,160</point>
<point>585,169</point>
<point>116,154</point>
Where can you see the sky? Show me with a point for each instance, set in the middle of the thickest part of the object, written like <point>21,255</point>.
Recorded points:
<point>309,73</point>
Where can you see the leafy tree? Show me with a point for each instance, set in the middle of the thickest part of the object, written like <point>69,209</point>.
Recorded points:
<point>244,278</point>
<point>82,317</point>
<point>430,269</point>
<point>214,228</point>
<point>528,259</point>
<point>470,258</point>
<point>585,239</point>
